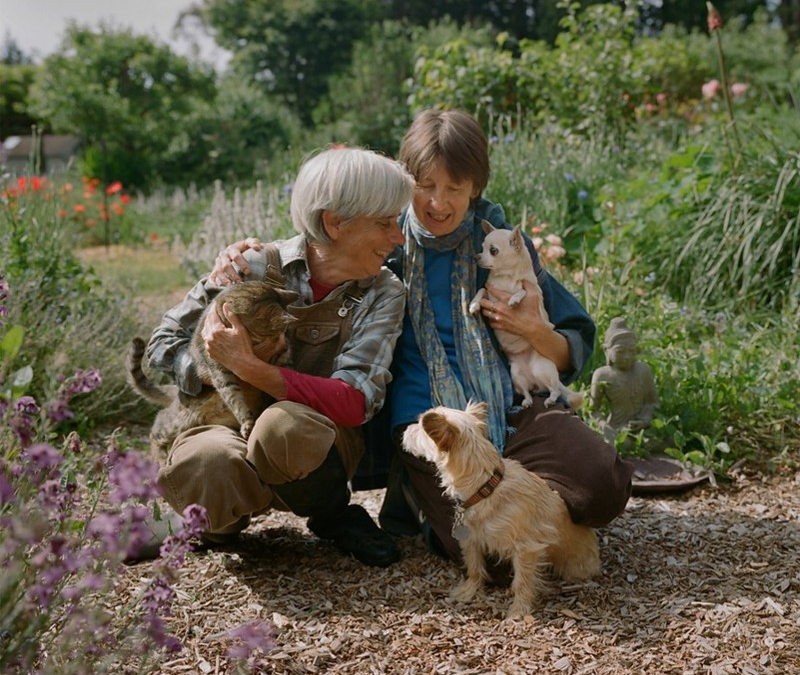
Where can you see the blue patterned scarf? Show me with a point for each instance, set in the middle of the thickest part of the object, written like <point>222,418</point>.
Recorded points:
<point>485,377</point>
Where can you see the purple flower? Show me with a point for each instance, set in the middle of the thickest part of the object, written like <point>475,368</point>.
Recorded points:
<point>132,476</point>
<point>158,633</point>
<point>56,498</point>
<point>570,177</point>
<point>57,410</point>
<point>74,444</point>
<point>158,596</point>
<point>26,405</point>
<point>107,528</point>
<point>42,457</point>
<point>582,194</point>
<point>256,635</point>
<point>195,520</point>
<point>83,382</point>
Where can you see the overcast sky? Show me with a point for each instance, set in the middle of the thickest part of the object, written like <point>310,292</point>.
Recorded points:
<point>37,26</point>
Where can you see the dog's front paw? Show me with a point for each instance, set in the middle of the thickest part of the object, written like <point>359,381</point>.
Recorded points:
<point>474,308</point>
<point>518,610</point>
<point>465,591</point>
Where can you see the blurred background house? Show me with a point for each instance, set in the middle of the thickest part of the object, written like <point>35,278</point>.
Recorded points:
<point>47,154</point>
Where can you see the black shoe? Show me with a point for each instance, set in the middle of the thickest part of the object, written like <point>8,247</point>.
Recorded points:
<point>353,531</point>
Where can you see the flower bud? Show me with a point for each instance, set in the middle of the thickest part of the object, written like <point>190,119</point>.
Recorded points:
<point>714,18</point>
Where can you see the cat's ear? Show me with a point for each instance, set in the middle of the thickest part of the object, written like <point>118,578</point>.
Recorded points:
<point>286,297</point>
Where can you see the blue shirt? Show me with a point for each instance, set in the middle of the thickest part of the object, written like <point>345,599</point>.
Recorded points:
<point>410,389</point>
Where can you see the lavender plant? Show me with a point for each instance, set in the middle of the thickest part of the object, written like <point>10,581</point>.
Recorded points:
<point>70,513</point>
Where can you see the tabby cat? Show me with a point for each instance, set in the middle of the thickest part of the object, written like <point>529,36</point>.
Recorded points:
<point>261,307</point>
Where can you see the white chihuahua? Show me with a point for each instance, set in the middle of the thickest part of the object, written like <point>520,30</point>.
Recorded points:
<point>506,257</point>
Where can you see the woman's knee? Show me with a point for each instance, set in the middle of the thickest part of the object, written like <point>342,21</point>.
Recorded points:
<point>289,441</point>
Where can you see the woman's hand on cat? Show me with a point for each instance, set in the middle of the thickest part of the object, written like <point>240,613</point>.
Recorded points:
<point>226,345</point>
<point>230,265</point>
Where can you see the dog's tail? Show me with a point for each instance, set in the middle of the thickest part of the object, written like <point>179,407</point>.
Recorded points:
<point>574,398</point>
<point>139,382</point>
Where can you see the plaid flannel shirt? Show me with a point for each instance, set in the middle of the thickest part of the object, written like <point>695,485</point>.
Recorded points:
<point>365,358</point>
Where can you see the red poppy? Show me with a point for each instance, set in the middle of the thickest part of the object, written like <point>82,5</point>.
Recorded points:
<point>115,187</point>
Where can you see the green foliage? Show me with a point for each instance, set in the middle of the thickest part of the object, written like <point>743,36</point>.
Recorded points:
<point>382,62</point>
<point>549,179</point>
<point>725,383</point>
<point>15,83</point>
<point>234,136</point>
<point>124,95</point>
<point>732,234</point>
<point>291,47</point>
<point>599,74</point>
<point>71,319</point>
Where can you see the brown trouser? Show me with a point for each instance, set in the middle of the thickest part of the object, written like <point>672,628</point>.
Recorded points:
<point>215,467</point>
<point>556,445</point>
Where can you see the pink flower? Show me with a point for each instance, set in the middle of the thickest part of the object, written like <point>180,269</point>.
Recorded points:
<point>710,89</point>
<point>738,88</point>
<point>714,18</point>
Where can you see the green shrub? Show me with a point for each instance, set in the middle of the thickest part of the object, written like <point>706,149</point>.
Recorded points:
<point>726,380</point>
<point>71,320</point>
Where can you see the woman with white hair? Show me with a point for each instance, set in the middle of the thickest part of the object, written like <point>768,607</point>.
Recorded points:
<point>304,447</point>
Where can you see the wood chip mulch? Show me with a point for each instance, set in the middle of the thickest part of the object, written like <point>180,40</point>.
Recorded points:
<point>706,581</point>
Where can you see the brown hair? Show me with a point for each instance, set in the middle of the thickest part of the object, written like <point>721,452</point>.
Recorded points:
<point>452,136</point>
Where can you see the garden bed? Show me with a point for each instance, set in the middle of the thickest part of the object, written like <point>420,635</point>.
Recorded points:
<point>707,581</point>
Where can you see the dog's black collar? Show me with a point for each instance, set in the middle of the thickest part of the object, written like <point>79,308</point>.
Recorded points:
<point>487,488</point>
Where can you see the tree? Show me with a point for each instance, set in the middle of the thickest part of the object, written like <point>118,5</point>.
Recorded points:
<point>291,47</point>
<point>11,53</point>
<point>233,137</point>
<point>124,95</point>
<point>15,83</point>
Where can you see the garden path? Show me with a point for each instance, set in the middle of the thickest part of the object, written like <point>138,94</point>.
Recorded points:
<point>707,581</point>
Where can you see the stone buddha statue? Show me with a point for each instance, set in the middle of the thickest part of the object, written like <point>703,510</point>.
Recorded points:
<point>625,384</point>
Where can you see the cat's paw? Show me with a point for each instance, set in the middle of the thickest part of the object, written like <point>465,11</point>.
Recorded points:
<point>246,429</point>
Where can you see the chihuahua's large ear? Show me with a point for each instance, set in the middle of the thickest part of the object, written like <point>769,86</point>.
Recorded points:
<point>516,239</point>
<point>487,226</point>
<point>439,429</point>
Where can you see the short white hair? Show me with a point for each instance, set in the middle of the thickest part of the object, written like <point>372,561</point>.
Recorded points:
<point>350,182</point>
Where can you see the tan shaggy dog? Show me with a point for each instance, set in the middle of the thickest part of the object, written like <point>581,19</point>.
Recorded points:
<point>502,508</point>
